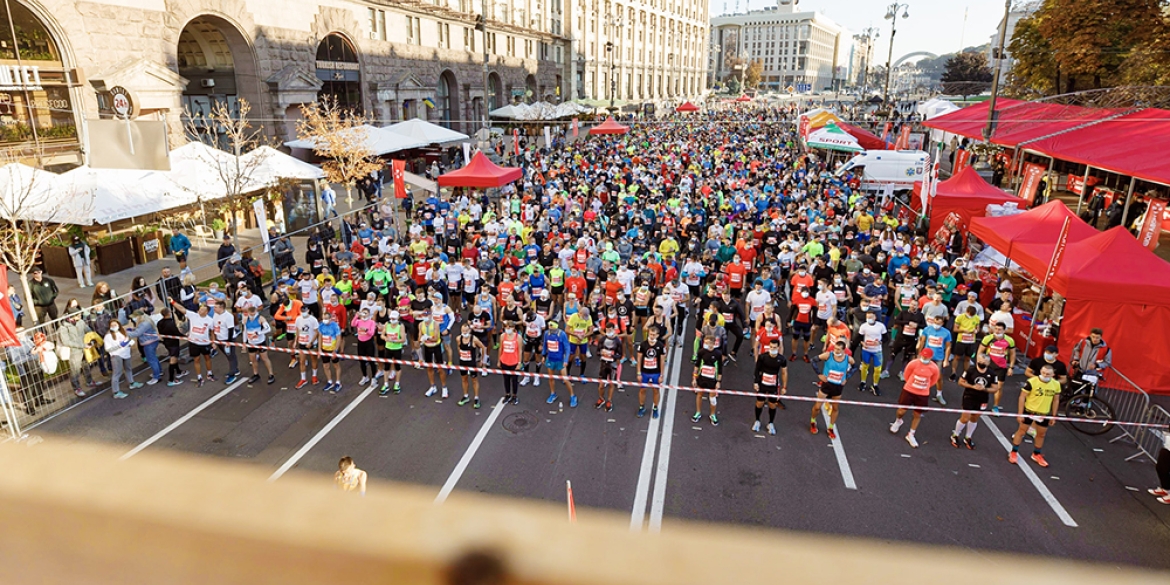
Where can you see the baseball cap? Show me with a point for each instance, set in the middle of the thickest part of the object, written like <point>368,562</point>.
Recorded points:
<point>926,353</point>
<point>1052,349</point>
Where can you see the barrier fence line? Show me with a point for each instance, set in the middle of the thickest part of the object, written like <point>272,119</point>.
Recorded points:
<point>716,391</point>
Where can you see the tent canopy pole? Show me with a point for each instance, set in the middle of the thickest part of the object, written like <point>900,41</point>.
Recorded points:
<point>1128,200</point>
<point>1084,188</point>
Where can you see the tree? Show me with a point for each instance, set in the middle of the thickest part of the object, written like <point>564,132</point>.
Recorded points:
<point>231,131</point>
<point>1148,63</point>
<point>32,214</point>
<point>1035,72</point>
<point>966,74</point>
<point>753,74</point>
<point>336,138</point>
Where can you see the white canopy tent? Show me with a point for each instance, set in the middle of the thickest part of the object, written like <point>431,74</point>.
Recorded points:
<point>540,111</point>
<point>377,140</point>
<point>268,166</point>
<point>115,194</point>
<point>935,107</point>
<point>30,194</point>
<point>427,132</point>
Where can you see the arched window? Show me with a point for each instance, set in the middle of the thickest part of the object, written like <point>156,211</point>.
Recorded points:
<point>339,72</point>
<point>447,99</point>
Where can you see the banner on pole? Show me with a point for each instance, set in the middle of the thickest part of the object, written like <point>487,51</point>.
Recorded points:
<point>547,137</point>
<point>886,132</point>
<point>1152,227</point>
<point>961,158</point>
<point>1032,175</point>
<point>466,152</point>
<point>399,173</point>
<point>261,221</point>
<point>516,140</point>
<point>1057,253</point>
<point>574,127</point>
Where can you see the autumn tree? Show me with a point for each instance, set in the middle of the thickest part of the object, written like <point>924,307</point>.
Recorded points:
<point>753,74</point>
<point>337,137</point>
<point>966,74</point>
<point>1035,72</point>
<point>1149,63</point>
<point>222,128</point>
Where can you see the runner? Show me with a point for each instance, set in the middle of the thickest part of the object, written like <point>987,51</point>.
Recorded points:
<point>470,348</point>
<point>920,375</point>
<point>554,353</point>
<point>307,337</point>
<point>1001,348</point>
<point>200,325</point>
<point>935,337</point>
<point>964,348</point>
<point>978,382</point>
<point>651,358</point>
<point>834,374</point>
<point>771,381</point>
<point>393,339</point>
<point>224,324</point>
<point>708,373</point>
<point>872,334</point>
<point>610,350</point>
<point>534,327</point>
<point>366,330</point>
<point>331,345</point>
<point>430,338</point>
<point>1039,396</point>
<point>509,359</point>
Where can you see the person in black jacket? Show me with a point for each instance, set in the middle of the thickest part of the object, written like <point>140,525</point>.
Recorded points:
<point>44,295</point>
<point>170,333</point>
<point>770,382</point>
<point>226,250</point>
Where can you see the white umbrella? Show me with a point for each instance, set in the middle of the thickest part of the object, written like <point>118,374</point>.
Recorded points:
<point>116,194</point>
<point>267,166</point>
<point>376,140</point>
<point>32,194</point>
<point>427,132</point>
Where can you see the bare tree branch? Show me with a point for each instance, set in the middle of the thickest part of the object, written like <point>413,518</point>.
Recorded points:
<point>336,138</point>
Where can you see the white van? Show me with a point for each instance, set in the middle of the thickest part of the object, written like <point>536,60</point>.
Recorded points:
<point>899,169</point>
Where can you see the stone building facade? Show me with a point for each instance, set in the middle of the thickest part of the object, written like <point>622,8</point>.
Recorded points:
<point>393,60</point>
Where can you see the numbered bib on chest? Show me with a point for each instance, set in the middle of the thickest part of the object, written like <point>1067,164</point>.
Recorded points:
<point>650,363</point>
<point>465,355</point>
<point>836,377</point>
<point>707,372</point>
<point>921,382</point>
<point>554,346</point>
<point>768,379</point>
<point>966,338</point>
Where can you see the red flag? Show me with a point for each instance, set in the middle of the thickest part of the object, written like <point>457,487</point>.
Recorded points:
<point>399,172</point>
<point>516,140</point>
<point>574,127</point>
<point>1057,253</point>
<point>886,132</point>
<point>961,158</point>
<point>1152,227</point>
<point>903,139</point>
<point>7,317</point>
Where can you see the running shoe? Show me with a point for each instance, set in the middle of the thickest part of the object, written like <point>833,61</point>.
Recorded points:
<point>1158,492</point>
<point>572,402</point>
<point>875,390</point>
<point>885,374</point>
<point>120,395</point>
<point>79,392</point>
<point>812,427</point>
<point>806,360</point>
<point>475,405</point>
<point>337,387</point>
<point>771,429</point>
<point>1039,459</point>
<point>211,376</point>
<point>894,426</point>
<point>832,433</point>
<point>735,361</point>
<point>328,386</point>
<point>756,427</point>
<point>551,399</point>
<point>182,373</point>
<point>385,391</point>
<point>229,380</point>
<point>902,376</point>
<point>316,381</point>
<point>954,376</point>
<point>910,439</point>
<point>1164,500</point>
<point>443,395</point>
<point>793,358</point>
<point>970,443</point>
<point>714,419</point>
<point>153,381</point>
<point>954,440</point>
<point>1013,457</point>
<point>995,409</point>
<point>365,380</point>
<point>698,417</point>
<point>524,380</point>
<point>938,397</point>
<point>431,391</point>
<point>292,364</point>
<point>641,411</point>
<point>861,386</point>
<point>599,404</point>
<point>463,401</point>
<point>136,385</point>
<point>174,383</point>
<point>608,406</point>
<point>302,384</point>
<point>654,413</point>
<point>255,378</point>
<point>516,400</point>
<point>397,387</point>
<point>199,381</point>
<point>271,379</point>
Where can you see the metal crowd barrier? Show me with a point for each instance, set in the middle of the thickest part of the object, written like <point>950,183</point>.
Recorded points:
<point>1128,400</point>
<point>1149,440</point>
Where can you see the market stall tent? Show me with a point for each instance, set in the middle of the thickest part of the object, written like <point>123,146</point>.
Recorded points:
<point>423,131</point>
<point>830,137</point>
<point>268,166</point>
<point>868,140</point>
<point>609,126</point>
<point>1133,145</point>
<point>481,172</point>
<point>1111,281</point>
<point>967,195</point>
<point>1029,238</point>
<point>687,107</point>
<point>30,194</point>
<point>377,141</point>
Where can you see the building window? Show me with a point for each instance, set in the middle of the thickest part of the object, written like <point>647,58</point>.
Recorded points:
<point>444,35</point>
<point>413,30</point>
<point>377,24</point>
<point>469,39</point>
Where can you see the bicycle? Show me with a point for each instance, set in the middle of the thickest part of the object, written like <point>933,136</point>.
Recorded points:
<point>1083,403</point>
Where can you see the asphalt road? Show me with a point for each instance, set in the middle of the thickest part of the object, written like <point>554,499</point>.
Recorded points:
<point>869,484</point>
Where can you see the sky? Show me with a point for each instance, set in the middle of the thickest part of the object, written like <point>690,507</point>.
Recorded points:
<point>935,26</point>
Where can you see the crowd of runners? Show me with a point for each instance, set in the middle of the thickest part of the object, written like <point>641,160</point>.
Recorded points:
<point>716,240</point>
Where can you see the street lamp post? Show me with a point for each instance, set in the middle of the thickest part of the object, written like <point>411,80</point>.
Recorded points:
<point>482,25</point>
<point>869,35</point>
<point>998,62</point>
<point>717,65</point>
<point>614,26</point>
<point>892,16</point>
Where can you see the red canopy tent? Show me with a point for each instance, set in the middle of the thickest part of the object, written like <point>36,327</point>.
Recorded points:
<point>1122,145</point>
<point>687,107</point>
<point>965,194</point>
<point>1113,282</point>
<point>480,172</point>
<point>1029,238</point>
<point>1018,121</point>
<point>743,98</point>
<point>609,127</point>
<point>868,140</point>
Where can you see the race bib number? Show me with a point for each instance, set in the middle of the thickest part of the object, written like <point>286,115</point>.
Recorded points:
<point>305,295</point>
<point>465,355</point>
<point>934,340</point>
<point>910,329</point>
<point>607,355</point>
<point>804,309</point>
<point>254,336</point>
<point>768,379</point>
<point>872,344</point>
<point>836,377</point>
<point>317,264</point>
<point>840,295</point>
<point>327,341</point>
<point>920,382</point>
<point>966,338</point>
<point>996,351</point>
<point>509,346</point>
<point>707,372</point>
<point>554,346</point>
<point>650,363</point>
<point>303,338</point>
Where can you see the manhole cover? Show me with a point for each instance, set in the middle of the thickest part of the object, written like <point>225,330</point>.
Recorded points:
<point>520,422</point>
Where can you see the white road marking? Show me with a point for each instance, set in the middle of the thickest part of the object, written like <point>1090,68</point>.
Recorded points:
<point>470,453</point>
<point>321,434</point>
<point>1039,485</point>
<point>182,419</point>
<point>642,492</point>
<point>659,500</point>
<point>842,461</point>
<point>973,465</point>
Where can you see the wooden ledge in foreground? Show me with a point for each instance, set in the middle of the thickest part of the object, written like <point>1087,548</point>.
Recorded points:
<point>73,514</point>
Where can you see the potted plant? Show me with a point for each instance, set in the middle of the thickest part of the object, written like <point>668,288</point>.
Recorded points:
<point>114,253</point>
<point>218,226</point>
<point>147,243</point>
<point>55,255</point>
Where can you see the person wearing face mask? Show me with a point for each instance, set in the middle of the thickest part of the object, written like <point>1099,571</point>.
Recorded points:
<point>555,352</point>
<point>708,373</point>
<point>198,339</point>
<point>256,332</point>
<point>1001,349</point>
<point>872,333</point>
<point>835,369</point>
<point>771,381</point>
<point>1051,357</point>
<point>509,359</point>
<point>651,353</point>
<point>611,351</point>
<point>118,346</point>
<point>938,339</point>
<point>365,329</point>
<point>978,382</point>
<point>920,375</point>
<point>394,339</point>
<point>1039,396</point>
<point>330,347</point>
<point>470,349</point>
